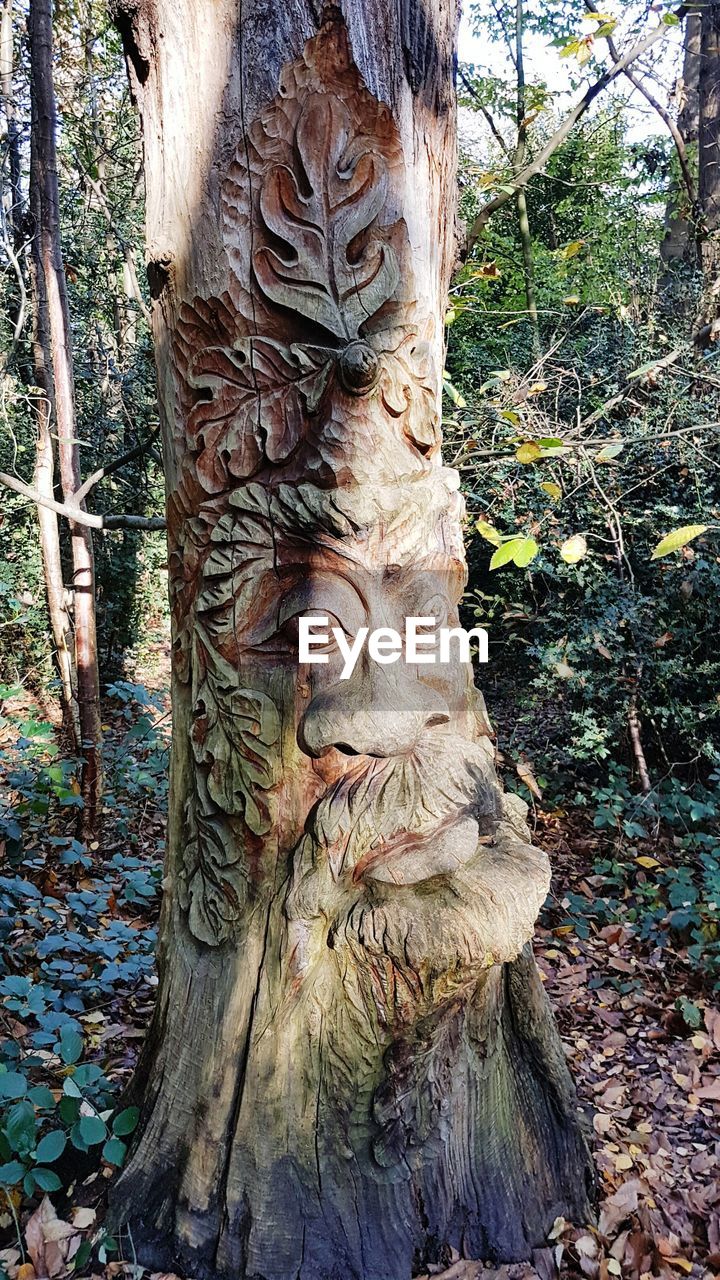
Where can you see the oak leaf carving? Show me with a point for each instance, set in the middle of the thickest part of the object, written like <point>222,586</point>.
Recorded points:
<point>234,735</point>
<point>215,883</point>
<point>256,399</point>
<point>334,267</point>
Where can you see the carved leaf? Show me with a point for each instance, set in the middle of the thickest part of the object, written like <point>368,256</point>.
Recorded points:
<point>258,395</point>
<point>408,390</point>
<point>234,734</point>
<point>334,267</point>
<point>216,884</point>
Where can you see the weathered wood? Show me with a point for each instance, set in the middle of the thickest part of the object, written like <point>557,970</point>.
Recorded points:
<point>352,1065</point>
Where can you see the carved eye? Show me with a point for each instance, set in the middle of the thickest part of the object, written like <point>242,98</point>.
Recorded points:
<point>436,607</point>
<point>285,641</point>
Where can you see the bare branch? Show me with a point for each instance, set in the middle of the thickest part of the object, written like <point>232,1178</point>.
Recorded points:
<point>122,242</point>
<point>663,113</point>
<point>76,513</point>
<point>485,114</point>
<point>536,166</point>
<point>115,465</point>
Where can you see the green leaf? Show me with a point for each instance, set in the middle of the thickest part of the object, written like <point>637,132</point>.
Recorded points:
<point>92,1130</point>
<point>82,1256</point>
<point>505,553</point>
<point>488,532</point>
<point>77,1139</point>
<point>71,1045</point>
<point>69,1109</point>
<point>671,19</point>
<point>453,394</point>
<point>126,1121</point>
<point>11,1173</point>
<point>47,1179</point>
<point>41,1097</point>
<point>13,1085</point>
<point>573,549</point>
<point>526,552</point>
<point>114,1151</point>
<point>20,1126</point>
<point>51,1146</point>
<point>518,550</point>
<point>70,1089</point>
<point>677,539</point>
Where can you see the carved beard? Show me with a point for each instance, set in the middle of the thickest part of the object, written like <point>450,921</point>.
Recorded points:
<point>404,820</point>
<point>395,887</point>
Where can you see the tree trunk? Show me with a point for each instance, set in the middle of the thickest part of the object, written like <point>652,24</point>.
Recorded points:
<point>15,210</point>
<point>59,616</point>
<point>680,244</point>
<point>708,322</point>
<point>352,1065</point>
<point>524,230</point>
<point>50,265</point>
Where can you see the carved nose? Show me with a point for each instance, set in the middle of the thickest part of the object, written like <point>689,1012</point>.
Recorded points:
<point>371,716</point>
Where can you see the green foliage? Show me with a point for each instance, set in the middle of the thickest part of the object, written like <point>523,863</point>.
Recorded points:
<point>101,222</point>
<point>661,876</point>
<point>67,949</point>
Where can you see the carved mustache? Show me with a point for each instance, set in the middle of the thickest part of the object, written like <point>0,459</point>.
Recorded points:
<point>403,820</point>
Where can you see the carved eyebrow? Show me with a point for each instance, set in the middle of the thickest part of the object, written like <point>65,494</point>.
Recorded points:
<point>330,591</point>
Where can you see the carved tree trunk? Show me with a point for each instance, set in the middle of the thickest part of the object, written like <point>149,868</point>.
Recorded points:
<point>352,1065</point>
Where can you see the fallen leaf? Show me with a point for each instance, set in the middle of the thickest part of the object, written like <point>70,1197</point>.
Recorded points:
<point>51,1242</point>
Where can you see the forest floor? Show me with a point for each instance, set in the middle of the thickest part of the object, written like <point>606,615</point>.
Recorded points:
<point>641,1031</point>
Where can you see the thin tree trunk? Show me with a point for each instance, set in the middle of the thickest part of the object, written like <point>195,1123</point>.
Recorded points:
<point>680,243</point>
<point>45,484</point>
<point>521,198</point>
<point>707,329</point>
<point>51,266</point>
<point>13,129</point>
<point>60,623</point>
<point>352,1067</point>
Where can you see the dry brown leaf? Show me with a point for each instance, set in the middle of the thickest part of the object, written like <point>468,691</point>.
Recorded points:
<point>710,1092</point>
<point>83,1218</point>
<point>526,775</point>
<point>619,1206</point>
<point>51,1242</point>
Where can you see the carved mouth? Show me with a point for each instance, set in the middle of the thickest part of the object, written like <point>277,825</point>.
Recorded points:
<point>409,858</point>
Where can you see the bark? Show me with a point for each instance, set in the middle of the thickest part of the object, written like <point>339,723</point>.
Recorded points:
<point>521,198</point>
<point>13,129</point>
<point>50,264</point>
<point>60,623</point>
<point>352,1065</point>
<point>13,208</point>
<point>682,212</point>
<point>708,321</point>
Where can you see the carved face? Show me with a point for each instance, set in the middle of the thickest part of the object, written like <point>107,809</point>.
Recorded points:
<point>308,406</point>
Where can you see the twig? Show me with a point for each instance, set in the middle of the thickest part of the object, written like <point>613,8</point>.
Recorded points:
<point>115,465</point>
<point>76,513</point>
<point>485,114</point>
